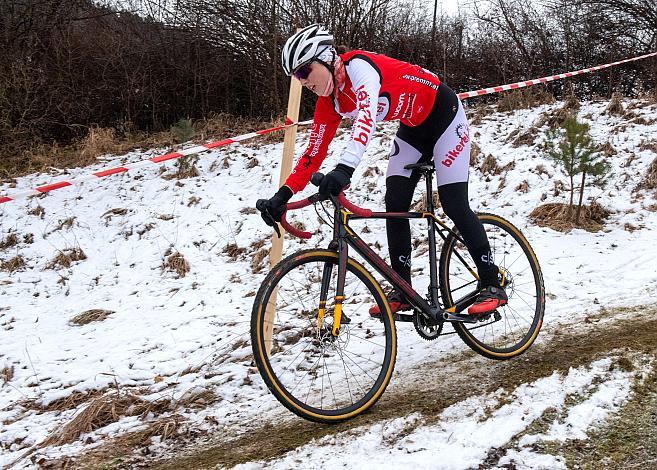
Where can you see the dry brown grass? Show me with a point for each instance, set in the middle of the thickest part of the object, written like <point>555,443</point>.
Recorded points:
<point>7,374</point>
<point>475,151</point>
<point>526,138</point>
<point>523,187</point>
<point>648,145</point>
<point>257,263</point>
<point>66,223</point>
<point>524,98</point>
<point>89,316</point>
<point>560,217</point>
<point>615,107</point>
<point>175,262</point>
<point>222,126</point>
<point>12,264</point>
<point>489,166</point>
<point>606,149</point>
<point>28,238</point>
<point>555,118</point>
<point>649,181</point>
<point>38,211</point>
<point>233,251</point>
<point>185,168</point>
<point>66,257</point>
<point>481,111</point>
<point>102,411</point>
<point>99,141</point>
<point>9,241</point>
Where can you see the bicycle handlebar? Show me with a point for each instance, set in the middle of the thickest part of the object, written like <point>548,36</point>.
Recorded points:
<point>316,179</point>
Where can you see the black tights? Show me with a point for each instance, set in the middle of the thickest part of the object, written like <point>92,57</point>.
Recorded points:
<point>454,201</point>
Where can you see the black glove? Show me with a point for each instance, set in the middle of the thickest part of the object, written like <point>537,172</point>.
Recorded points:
<point>272,209</point>
<point>335,180</point>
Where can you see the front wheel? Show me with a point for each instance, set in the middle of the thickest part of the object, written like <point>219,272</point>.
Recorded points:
<point>512,328</point>
<point>315,374</point>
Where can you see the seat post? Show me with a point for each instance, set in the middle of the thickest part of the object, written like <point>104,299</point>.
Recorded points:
<point>429,185</point>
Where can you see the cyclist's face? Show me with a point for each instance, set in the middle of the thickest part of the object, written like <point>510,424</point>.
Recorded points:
<point>319,81</point>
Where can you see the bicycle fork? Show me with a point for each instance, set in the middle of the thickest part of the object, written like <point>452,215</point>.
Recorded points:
<point>343,254</point>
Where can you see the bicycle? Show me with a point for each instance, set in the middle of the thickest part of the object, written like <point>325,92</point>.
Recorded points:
<point>327,363</point>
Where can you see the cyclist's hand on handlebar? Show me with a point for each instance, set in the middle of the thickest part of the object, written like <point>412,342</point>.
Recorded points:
<point>271,210</point>
<point>335,180</point>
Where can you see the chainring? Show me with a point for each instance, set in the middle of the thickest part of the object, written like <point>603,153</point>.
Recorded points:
<point>426,331</point>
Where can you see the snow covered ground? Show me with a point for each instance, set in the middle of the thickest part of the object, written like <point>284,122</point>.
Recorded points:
<point>185,340</point>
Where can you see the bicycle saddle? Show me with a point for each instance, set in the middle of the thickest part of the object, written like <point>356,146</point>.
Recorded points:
<point>422,167</point>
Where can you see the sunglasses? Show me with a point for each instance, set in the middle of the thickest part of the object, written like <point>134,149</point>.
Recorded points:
<point>302,72</point>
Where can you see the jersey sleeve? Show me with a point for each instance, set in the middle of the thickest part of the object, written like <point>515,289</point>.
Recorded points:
<point>366,82</point>
<point>325,122</point>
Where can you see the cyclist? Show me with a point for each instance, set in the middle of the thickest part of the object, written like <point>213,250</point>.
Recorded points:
<point>369,87</point>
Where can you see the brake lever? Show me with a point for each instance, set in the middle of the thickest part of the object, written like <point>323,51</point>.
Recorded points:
<point>265,212</point>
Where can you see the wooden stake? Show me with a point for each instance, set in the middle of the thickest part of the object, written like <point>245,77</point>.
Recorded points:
<point>276,252</point>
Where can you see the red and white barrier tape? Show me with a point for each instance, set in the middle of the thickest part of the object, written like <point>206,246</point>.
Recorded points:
<point>204,148</point>
<point>143,163</point>
<point>513,86</point>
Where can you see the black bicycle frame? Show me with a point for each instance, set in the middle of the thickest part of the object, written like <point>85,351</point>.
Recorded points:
<point>344,237</point>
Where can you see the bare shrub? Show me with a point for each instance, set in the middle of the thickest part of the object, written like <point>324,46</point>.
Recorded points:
<point>175,262</point>
<point>615,107</point>
<point>89,316</point>
<point>66,257</point>
<point>561,217</point>
<point>13,264</point>
<point>9,241</point>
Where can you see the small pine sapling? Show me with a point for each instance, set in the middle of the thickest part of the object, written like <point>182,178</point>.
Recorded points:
<point>572,147</point>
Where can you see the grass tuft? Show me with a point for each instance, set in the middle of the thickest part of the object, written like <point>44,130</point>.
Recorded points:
<point>89,316</point>
<point>12,264</point>
<point>9,241</point>
<point>175,262</point>
<point>560,217</point>
<point>66,257</point>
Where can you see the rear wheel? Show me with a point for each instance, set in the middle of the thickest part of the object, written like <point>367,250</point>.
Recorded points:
<point>314,374</point>
<point>512,328</point>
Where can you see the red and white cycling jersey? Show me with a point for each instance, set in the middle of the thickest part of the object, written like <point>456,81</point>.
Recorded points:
<point>376,88</point>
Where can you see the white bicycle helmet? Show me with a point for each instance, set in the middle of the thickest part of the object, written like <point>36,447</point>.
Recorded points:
<point>304,46</point>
